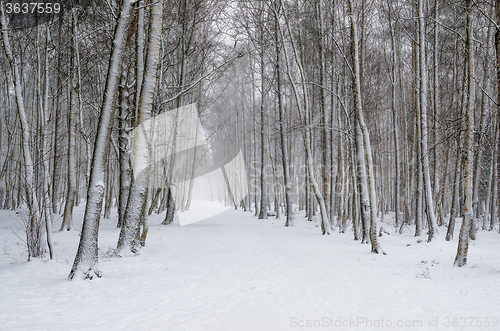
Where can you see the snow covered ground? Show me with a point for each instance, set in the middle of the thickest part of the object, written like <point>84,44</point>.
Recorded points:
<point>235,272</point>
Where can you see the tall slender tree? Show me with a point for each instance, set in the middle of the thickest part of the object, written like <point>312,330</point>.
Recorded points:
<point>424,151</point>
<point>281,111</point>
<point>363,147</point>
<point>34,223</point>
<point>129,234</point>
<point>86,260</point>
<point>463,241</point>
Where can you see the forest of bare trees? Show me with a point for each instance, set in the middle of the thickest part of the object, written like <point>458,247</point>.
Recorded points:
<point>349,112</point>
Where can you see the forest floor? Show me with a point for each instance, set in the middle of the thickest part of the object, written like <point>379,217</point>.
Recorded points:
<point>235,272</point>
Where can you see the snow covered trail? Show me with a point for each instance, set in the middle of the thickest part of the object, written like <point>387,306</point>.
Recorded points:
<point>235,272</point>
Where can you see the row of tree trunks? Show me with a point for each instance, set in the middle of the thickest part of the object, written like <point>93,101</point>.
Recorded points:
<point>129,234</point>
<point>416,177</point>
<point>35,241</point>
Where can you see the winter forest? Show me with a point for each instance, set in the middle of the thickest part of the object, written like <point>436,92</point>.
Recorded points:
<point>350,149</point>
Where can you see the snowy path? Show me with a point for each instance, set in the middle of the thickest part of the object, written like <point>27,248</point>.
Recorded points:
<point>234,272</point>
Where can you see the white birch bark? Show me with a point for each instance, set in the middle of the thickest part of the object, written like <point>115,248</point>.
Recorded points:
<point>33,239</point>
<point>45,150</point>
<point>171,203</point>
<point>325,130</point>
<point>483,124</point>
<point>67,223</point>
<point>129,234</point>
<point>463,241</point>
<point>364,153</point>
<point>124,158</point>
<point>43,123</point>
<point>455,192</point>
<point>435,93</point>
<point>139,48</point>
<point>423,123</point>
<point>86,260</point>
<point>419,215</point>
<point>488,221</point>
<point>494,206</point>
<point>305,112</point>
<point>263,150</point>
<point>394,81</point>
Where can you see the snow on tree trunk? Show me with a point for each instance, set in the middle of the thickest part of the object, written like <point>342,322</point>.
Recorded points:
<point>45,137</point>
<point>283,135</point>
<point>325,130</point>
<point>463,241</point>
<point>263,185</point>
<point>394,81</point>
<point>488,222</point>
<point>129,234</point>
<point>304,110</point>
<point>423,123</point>
<point>86,260</point>
<point>33,232</point>
<point>70,199</point>
<point>455,193</point>
<point>124,157</point>
<point>364,153</point>
<point>419,214</point>
<point>494,206</point>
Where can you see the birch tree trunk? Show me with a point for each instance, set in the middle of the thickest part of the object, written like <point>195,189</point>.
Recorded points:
<point>455,194</point>
<point>325,130</point>
<point>394,114</point>
<point>483,124</point>
<point>463,241</point>
<point>497,67</point>
<point>129,234</point>
<point>283,135</point>
<point>364,153</point>
<point>305,112</point>
<point>45,150</point>
<point>57,118</point>
<point>263,152</point>
<point>489,222</point>
<point>3,159</point>
<point>419,204</point>
<point>34,240</point>
<point>171,203</point>
<point>423,123</point>
<point>123,154</point>
<point>435,93</point>
<point>67,223</point>
<point>86,260</point>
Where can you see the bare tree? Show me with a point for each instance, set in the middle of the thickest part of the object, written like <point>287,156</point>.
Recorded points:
<point>129,234</point>
<point>305,111</point>
<point>363,147</point>
<point>423,122</point>
<point>34,222</point>
<point>281,110</point>
<point>86,259</point>
<point>72,81</point>
<point>463,241</point>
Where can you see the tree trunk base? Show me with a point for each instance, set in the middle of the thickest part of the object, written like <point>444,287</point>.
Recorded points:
<point>89,274</point>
